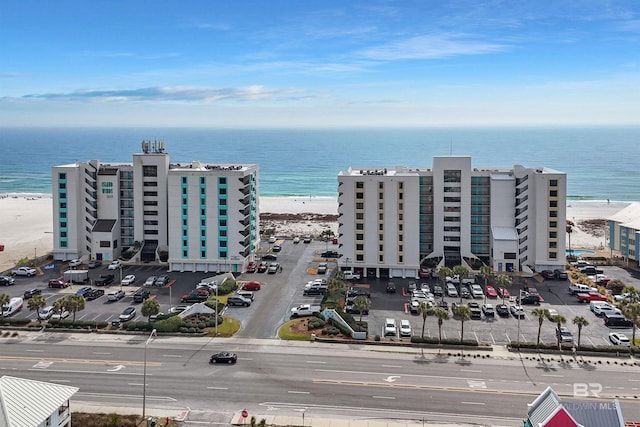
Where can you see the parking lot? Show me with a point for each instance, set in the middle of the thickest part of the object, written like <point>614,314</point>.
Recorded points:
<point>284,290</point>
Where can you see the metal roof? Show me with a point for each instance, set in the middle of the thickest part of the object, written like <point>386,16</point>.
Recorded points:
<point>28,403</point>
<point>628,217</point>
<point>504,233</point>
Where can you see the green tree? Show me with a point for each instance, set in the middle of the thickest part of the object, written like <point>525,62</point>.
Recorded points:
<point>4,300</point>
<point>464,313</point>
<point>362,304</point>
<point>503,281</point>
<point>74,304</point>
<point>36,303</point>
<point>151,307</point>
<point>424,310</point>
<point>616,286</point>
<point>59,306</point>
<point>634,294</point>
<point>442,315</point>
<point>541,314</point>
<point>580,322</point>
<point>486,273</point>
<point>560,320</point>
<point>336,286</point>
<point>462,272</point>
<point>632,311</point>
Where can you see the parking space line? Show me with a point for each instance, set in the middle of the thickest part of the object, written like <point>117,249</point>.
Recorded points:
<point>492,339</point>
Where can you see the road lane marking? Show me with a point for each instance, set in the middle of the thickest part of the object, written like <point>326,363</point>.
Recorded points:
<point>336,371</point>
<point>553,375</point>
<point>473,403</point>
<point>391,366</point>
<point>218,388</point>
<point>87,361</point>
<point>297,392</point>
<point>136,384</point>
<point>633,380</point>
<point>477,384</point>
<point>470,370</point>
<point>319,362</point>
<point>383,397</point>
<point>171,355</point>
<point>100,352</point>
<point>35,351</point>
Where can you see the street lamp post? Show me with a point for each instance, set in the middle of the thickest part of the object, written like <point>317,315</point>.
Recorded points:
<point>519,316</point>
<point>144,375</point>
<point>216,309</point>
<point>120,277</point>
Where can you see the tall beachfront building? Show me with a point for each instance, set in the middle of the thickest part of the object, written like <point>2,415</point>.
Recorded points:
<point>393,220</point>
<point>204,217</point>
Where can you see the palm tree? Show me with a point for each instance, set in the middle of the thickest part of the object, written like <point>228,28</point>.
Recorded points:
<point>59,306</point>
<point>151,307</point>
<point>74,304</point>
<point>486,273</point>
<point>424,310</point>
<point>443,273</point>
<point>36,303</point>
<point>580,322</point>
<point>560,320</point>
<point>503,281</point>
<point>569,231</point>
<point>362,304</point>
<point>541,314</point>
<point>442,315</point>
<point>464,313</point>
<point>632,311</point>
<point>4,300</point>
<point>634,294</point>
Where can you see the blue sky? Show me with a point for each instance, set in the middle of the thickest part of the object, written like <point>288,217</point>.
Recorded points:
<point>276,63</point>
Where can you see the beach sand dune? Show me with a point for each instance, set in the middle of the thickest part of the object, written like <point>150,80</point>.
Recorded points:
<point>26,222</point>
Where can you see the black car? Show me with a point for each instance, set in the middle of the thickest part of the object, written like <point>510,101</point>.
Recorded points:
<point>352,309</point>
<point>161,281</point>
<point>93,294</point>
<point>7,281</point>
<point>330,254</point>
<point>355,292</point>
<point>443,304</point>
<point>270,257</point>
<point>104,280</point>
<point>141,295</point>
<point>31,292</point>
<point>391,288</point>
<point>530,299</point>
<point>194,297</point>
<point>502,310</point>
<point>560,274</point>
<point>223,357</point>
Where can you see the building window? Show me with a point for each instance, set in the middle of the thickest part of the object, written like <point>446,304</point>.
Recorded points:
<point>222,180</point>
<point>400,259</point>
<point>203,243</point>
<point>184,179</point>
<point>150,170</point>
<point>553,183</point>
<point>360,257</point>
<point>400,206</point>
<point>63,234</point>
<point>359,247</point>
<point>359,184</point>
<point>223,244</point>
<point>184,191</point>
<point>553,224</point>
<point>63,214</point>
<point>151,193</point>
<point>184,211</point>
<point>184,222</point>
<point>63,244</point>
<point>381,216</point>
<point>553,245</point>
<point>203,254</point>
<point>223,212</point>
<point>381,206</point>
<point>381,248</point>
<point>203,233</point>
<point>380,227</point>
<point>553,193</point>
<point>359,236</point>
<point>223,191</point>
<point>359,215</point>
<point>223,223</point>
<point>202,180</point>
<point>185,253</point>
<point>223,202</point>
<point>359,195</point>
<point>452,176</point>
<point>359,226</point>
<point>203,212</point>
<point>553,203</point>
<point>553,255</point>
<point>400,227</point>
<point>203,222</point>
<point>359,205</point>
<point>400,248</point>
<point>185,242</point>
<point>380,236</point>
<point>381,185</point>
<point>62,195</point>
<point>63,205</point>
<point>63,225</point>
<point>150,184</point>
<point>62,175</point>
<point>380,196</point>
<point>553,235</point>
<point>401,185</point>
<point>400,237</point>
<point>223,233</point>
<point>400,217</point>
<point>380,258</point>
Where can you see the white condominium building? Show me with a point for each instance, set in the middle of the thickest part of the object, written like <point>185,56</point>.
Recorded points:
<point>195,216</point>
<point>393,220</point>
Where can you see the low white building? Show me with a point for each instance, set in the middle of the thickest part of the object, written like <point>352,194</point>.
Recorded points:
<point>30,403</point>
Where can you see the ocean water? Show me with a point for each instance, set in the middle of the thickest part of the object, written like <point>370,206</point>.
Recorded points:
<point>601,162</point>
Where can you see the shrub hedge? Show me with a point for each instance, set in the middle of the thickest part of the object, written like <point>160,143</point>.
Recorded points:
<point>9,321</point>
<point>449,341</point>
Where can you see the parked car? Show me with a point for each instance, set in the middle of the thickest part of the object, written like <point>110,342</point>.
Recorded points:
<point>60,315</point>
<point>24,271</point>
<point>270,257</point>
<point>276,248</point>
<point>307,239</point>
<point>390,328</point>
<point>114,265</point>
<point>488,310</point>
<point>104,280</point>
<point>252,267</point>
<point>83,291</point>
<point>141,295</point>
<point>530,299</point>
<point>437,290</point>
<point>476,312</point>
<point>129,279</point>
<point>405,328</point>
<point>94,294</point>
<point>262,267</point>
<point>476,291</point>
<point>272,239</point>
<point>352,309</point>
<point>129,313</point>
<point>251,286</point>
<point>273,268</point>
<point>464,292</point>
<point>162,281</point>
<point>7,281</point>
<point>451,290</point>
<point>391,288</point>
<point>223,357</point>
<point>45,313</point>
<point>115,295</point>
<point>330,254</point>
<point>31,292</point>
<point>178,309</point>
<point>618,338</point>
<point>617,321</point>
<point>238,300</point>
<point>322,268</point>
<point>560,274</point>
<point>502,310</point>
<point>548,274</point>
<point>195,296</point>
<point>94,263</point>
<point>517,311</point>
<point>591,296</point>
<point>58,283</point>
<point>503,293</point>
<point>296,239</point>
<point>150,281</point>
<point>564,333</point>
<point>491,292</point>
<point>75,263</point>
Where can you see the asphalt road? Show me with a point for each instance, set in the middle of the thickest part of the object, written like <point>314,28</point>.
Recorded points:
<point>288,377</point>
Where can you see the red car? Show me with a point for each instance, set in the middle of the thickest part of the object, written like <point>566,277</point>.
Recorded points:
<point>591,296</point>
<point>491,292</point>
<point>58,283</point>
<point>503,292</point>
<point>262,267</point>
<point>251,286</point>
<point>252,267</point>
<point>533,291</point>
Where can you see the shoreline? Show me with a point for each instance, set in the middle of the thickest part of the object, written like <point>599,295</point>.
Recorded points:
<point>26,222</point>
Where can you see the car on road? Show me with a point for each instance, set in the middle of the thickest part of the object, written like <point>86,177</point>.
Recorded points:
<point>129,313</point>
<point>262,267</point>
<point>60,315</point>
<point>129,279</point>
<point>83,291</point>
<point>238,300</point>
<point>115,295</point>
<point>251,286</point>
<point>7,281</point>
<point>533,291</point>
<point>491,292</point>
<point>162,281</point>
<point>45,313</point>
<point>114,265</point>
<point>517,311</point>
<point>150,281</point>
<point>322,268</point>
<point>269,257</point>
<point>75,263</point>
<point>273,268</point>
<point>223,357</point>
<point>94,263</point>
<point>93,294</point>
<point>252,267</point>
<point>618,338</point>
<point>31,292</point>
<point>530,299</point>
<point>330,254</point>
<point>502,310</point>
<point>405,328</point>
<point>307,239</point>
<point>272,239</point>
<point>58,283</point>
<point>276,248</point>
<point>391,288</point>
<point>548,274</point>
<point>488,310</point>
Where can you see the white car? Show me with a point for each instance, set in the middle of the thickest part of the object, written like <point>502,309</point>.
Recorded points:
<point>405,328</point>
<point>476,291</point>
<point>618,338</point>
<point>296,239</point>
<point>59,316</point>
<point>608,309</point>
<point>150,281</point>
<point>272,239</point>
<point>622,297</point>
<point>75,263</point>
<point>390,328</point>
<point>115,295</point>
<point>451,290</point>
<point>45,313</point>
<point>129,279</point>
<point>114,265</point>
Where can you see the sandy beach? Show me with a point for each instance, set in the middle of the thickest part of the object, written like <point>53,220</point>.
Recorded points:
<point>26,222</point>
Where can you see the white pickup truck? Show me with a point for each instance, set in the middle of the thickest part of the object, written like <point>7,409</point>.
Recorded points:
<point>351,275</point>
<point>304,310</point>
<point>580,288</point>
<point>23,271</point>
